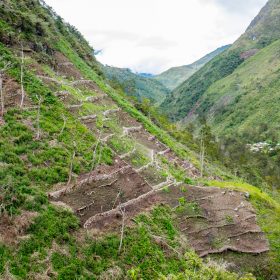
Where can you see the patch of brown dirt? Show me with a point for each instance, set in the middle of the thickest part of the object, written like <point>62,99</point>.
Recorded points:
<point>125,120</point>
<point>104,101</point>
<point>247,54</point>
<point>216,221</point>
<point>99,192</point>
<point>148,140</point>
<point>152,175</point>
<point>67,98</point>
<point>65,68</point>
<point>11,229</point>
<point>36,68</point>
<point>74,109</point>
<point>87,85</point>
<point>91,125</point>
<point>189,168</point>
<point>12,94</point>
<point>112,219</point>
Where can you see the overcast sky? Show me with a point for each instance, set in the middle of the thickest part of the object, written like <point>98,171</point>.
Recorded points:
<point>154,35</point>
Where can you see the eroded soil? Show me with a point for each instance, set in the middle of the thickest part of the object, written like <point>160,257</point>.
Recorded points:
<point>213,220</point>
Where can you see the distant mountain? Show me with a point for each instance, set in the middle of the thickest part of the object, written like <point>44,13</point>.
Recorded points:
<point>137,85</point>
<point>175,76</point>
<point>145,75</point>
<point>238,90</point>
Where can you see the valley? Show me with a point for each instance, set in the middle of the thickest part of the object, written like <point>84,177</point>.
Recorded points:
<point>93,188</point>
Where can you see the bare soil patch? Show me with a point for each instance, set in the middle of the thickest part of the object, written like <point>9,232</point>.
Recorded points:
<point>215,220</point>
<point>96,194</point>
<point>153,176</point>
<point>112,220</point>
<point>12,94</point>
<point>11,229</point>
<point>189,168</point>
<point>65,68</point>
<point>148,140</point>
<point>125,120</point>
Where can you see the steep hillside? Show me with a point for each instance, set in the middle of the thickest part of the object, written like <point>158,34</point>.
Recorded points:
<point>136,85</point>
<point>189,98</point>
<point>92,189</point>
<point>246,99</point>
<point>175,76</point>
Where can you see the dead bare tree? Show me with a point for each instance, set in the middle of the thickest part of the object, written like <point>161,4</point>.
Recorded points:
<point>64,124</point>
<point>21,77</point>
<point>202,155</point>
<point>117,197</point>
<point>5,67</point>
<point>40,100</point>
<point>93,164</point>
<point>122,229</point>
<point>71,163</point>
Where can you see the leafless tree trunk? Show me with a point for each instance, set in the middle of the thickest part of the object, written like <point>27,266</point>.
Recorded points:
<point>202,154</point>
<point>122,229</point>
<point>94,155</point>
<point>21,77</point>
<point>2,71</point>
<point>118,195</point>
<point>71,164</point>
<point>2,95</point>
<point>64,124</point>
<point>40,100</point>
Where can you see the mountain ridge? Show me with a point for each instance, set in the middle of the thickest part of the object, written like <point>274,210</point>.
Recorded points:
<point>187,99</point>
<point>174,76</point>
<point>91,188</point>
<point>135,85</point>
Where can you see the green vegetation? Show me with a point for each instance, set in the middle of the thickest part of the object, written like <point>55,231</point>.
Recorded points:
<point>188,97</point>
<point>175,76</point>
<point>178,104</point>
<point>135,85</point>
<point>153,236</point>
<point>52,243</point>
<point>121,145</point>
<point>139,158</point>
<point>24,159</point>
<point>237,95</point>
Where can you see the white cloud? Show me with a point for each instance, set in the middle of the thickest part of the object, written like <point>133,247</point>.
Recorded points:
<point>153,35</point>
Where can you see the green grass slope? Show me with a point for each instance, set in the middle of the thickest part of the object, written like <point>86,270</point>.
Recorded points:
<point>43,241</point>
<point>175,76</point>
<point>246,99</point>
<point>136,85</point>
<point>264,30</point>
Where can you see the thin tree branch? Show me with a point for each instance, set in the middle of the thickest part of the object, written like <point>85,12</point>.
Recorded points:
<point>71,164</point>
<point>40,100</point>
<point>64,124</point>
<point>122,229</point>
<point>21,77</point>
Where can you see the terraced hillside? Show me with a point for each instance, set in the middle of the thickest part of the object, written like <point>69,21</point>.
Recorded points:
<point>92,189</point>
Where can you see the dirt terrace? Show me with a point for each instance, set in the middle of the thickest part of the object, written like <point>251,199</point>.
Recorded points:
<point>12,94</point>
<point>213,220</point>
<point>103,191</point>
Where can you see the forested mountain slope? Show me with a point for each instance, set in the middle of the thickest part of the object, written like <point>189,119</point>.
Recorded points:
<point>90,188</point>
<point>136,85</point>
<point>175,76</point>
<point>235,80</point>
